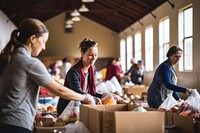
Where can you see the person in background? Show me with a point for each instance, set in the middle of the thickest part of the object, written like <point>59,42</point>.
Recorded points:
<point>136,72</point>
<point>165,80</point>
<point>53,69</point>
<point>140,65</point>
<point>21,74</point>
<point>113,69</point>
<point>64,68</point>
<point>81,77</point>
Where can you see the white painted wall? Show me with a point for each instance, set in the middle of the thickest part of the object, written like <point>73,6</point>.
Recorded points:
<point>6,27</point>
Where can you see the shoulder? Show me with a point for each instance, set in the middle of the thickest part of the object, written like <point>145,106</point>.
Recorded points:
<point>73,70</point>
<point>165,64</point>
<point>163,67</point>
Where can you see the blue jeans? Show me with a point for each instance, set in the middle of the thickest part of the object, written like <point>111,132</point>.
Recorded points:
<point>4,128</point>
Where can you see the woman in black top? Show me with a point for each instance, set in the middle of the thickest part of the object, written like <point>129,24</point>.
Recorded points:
<point>81,76</point>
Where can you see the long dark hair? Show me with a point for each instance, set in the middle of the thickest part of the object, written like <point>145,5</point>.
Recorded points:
<point>27,28</point>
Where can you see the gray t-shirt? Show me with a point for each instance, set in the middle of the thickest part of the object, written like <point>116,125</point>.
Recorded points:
<point>19,88</point>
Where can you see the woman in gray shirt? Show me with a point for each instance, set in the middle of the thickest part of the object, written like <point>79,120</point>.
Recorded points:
<point>21,74</point>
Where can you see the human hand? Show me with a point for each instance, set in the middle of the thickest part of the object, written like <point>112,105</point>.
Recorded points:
<point>89,99</point>
<point>116,97</point>
<point>188,91</point>
<point>97,101</point>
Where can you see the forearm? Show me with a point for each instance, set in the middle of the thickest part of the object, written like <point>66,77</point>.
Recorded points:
<point>63,91</point>
<point>165,75</point>
<point>176,96</point>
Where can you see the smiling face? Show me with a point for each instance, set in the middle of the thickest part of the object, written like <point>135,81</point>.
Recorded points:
<point>90,56</point>
<point>38,44</point>
<point>174,59</point>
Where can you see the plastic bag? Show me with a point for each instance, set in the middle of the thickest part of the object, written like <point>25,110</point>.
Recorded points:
<point>77,127</point>
<point>110,86</point>
<point>117,85</point>
<point>194,99</point>
<point>71,112</point>
<point>101,88</point>
<point>168,103</point>
<point>108,99</point>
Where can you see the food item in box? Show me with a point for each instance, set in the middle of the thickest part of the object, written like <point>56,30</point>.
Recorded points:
<point>140,109</point>
<point>51,109</point>
<point>72,115</point>
<point>108,99</point>
<point>137,97</point>
<point>39,124</point>
<point>59,122</point>
<point>97,101</point>
<point>174,109</point>
<point>131,97</point>
<point>38,115</point>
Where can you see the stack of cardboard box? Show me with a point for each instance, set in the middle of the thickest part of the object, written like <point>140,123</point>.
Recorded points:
<point>121,118</point>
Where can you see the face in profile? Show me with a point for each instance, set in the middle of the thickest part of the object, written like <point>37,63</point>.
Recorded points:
<point>90,56</point>
<point>39,44</point>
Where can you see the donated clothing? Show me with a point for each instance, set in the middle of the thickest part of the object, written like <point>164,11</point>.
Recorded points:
<point>19,88</point>
<point>80,82</point>
<point>164,83</point>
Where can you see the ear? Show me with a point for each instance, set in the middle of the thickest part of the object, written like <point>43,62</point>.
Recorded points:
<point>32,38</point>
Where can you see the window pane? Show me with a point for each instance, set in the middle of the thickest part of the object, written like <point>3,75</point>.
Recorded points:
<point>123,54</point>
<point>188,22</point>
<point>186,39</point>
<point>138,46</point>
<point>149,49</point>
<point>188,54</point>
<point>163,39</point>
<point>129,51</point>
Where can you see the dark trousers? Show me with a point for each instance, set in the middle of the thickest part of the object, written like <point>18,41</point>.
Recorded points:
<point>4,128</point>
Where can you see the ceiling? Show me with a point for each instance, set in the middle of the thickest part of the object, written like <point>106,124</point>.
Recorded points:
<point>116,15</point>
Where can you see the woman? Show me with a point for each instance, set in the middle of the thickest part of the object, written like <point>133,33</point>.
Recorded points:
<point>81,76</point>
<point>21,75</point>
<point>114,69</point>
<point>165,80</point>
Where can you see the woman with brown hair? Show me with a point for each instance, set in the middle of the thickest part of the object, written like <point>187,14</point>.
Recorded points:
<point>81,76</point>
<point>21,74</point>
<point>165,80</point>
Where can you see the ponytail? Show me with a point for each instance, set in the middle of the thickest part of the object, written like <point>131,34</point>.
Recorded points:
<point>6,53</point>
<point>27,27</point>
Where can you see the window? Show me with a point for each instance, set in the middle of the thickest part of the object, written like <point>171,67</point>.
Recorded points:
<point>164,35</point>
<point>186,38</point>
<point>149,48</point>
<point>129,51</point>
<point>123,54</point>
<point>138,46</point>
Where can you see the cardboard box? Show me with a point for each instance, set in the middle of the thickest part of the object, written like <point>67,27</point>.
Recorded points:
<point>169,118</point>
<point>184,124</point>
<point>48,126</point>
<point>47,122</point>
<point>171,129</point>
<point>135,89</point>
<point>121,119</point>
<point>48,129</point>
<point>197,124</point>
